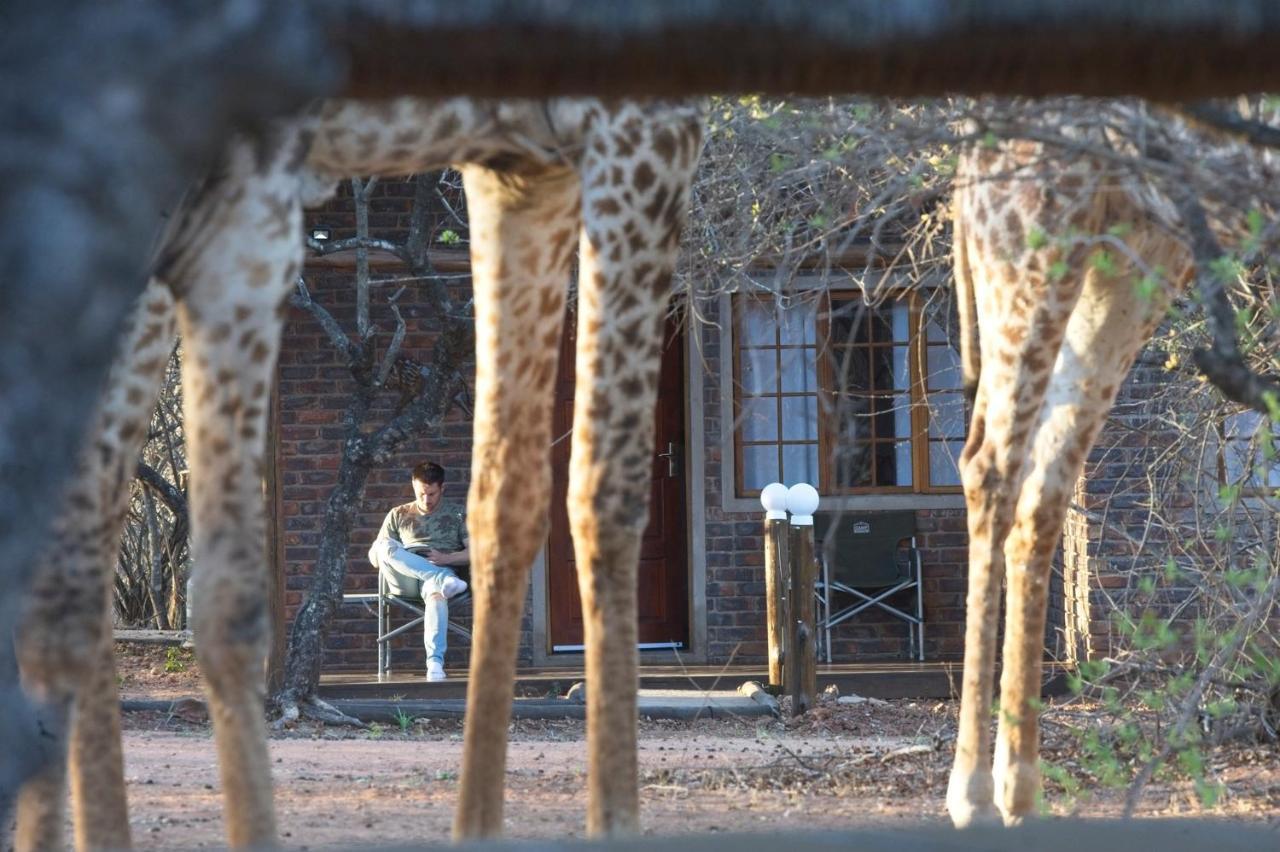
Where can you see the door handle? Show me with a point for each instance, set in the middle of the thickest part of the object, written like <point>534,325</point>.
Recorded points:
<point>673,457</point>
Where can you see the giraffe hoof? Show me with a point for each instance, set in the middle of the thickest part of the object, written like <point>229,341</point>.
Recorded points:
<point>966,812</point>
<point>973,817</point>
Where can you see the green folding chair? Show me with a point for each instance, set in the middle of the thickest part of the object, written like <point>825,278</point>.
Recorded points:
<point>867,559</point>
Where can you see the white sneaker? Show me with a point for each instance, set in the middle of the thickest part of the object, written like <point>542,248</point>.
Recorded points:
<point>435,671</point>
<point>452,587</point>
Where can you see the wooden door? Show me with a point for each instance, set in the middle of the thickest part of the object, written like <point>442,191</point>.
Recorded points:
<point>663,577</point>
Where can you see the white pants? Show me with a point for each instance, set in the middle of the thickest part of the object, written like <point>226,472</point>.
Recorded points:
<point>390,555</point>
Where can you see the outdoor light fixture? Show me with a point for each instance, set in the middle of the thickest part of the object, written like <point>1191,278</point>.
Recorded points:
<point>774,500</point>
<point>802,502</point>
<point>319,234</point>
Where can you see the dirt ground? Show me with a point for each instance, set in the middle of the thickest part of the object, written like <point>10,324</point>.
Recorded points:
<point>842,766</point>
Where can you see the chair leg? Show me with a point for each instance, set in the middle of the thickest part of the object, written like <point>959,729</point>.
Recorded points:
<point>826,607</point>
<point>919,600</point>
<point>384,652</point>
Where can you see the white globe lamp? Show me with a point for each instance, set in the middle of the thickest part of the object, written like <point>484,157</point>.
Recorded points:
<point>774,499</point>
<point>802,502</point>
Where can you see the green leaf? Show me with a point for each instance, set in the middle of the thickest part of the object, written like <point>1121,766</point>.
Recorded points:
<point>1147,287</point>
<point>1226,268</point>
<point>1104,262</point>
<point>1037,239</point>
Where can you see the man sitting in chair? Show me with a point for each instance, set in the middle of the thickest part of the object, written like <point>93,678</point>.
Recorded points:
<point>421,541</point>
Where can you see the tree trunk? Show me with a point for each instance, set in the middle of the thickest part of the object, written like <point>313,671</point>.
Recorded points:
<point>306,638</point>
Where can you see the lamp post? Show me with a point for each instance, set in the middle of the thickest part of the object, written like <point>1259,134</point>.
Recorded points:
<point>802,632</point>
<point>774,500</point>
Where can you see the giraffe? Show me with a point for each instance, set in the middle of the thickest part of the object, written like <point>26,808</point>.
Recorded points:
<point>1047,338</point>
<point>537,175</point>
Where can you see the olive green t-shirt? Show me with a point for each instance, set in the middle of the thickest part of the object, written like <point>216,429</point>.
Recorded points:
<point>445,529</point>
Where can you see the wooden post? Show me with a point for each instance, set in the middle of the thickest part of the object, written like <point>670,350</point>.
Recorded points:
<point>802,663</point>
<point>775,590</point>
<point>271,492</point>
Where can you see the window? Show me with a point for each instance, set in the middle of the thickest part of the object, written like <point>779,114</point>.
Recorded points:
<point>850,397</point>
<point>1247,454</point>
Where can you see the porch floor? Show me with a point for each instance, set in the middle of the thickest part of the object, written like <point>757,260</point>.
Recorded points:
<point>873,680</point>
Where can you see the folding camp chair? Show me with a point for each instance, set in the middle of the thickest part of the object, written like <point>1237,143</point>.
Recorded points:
<point>863,558</point>
<point>405,593</point>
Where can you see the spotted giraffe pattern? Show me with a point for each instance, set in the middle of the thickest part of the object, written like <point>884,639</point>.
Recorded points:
<point>64,640</point>
<point>1048,337</point>
<point>542,178</point>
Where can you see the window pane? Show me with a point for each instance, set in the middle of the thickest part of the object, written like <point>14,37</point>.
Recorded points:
<point>887,470</point>
<point>854,414</point>
<point>946,415</point>
<point>1242,452</point>
<point>759,371</point>
<point>759,466</point>
<point>901,321</point>
<point>901,369</point>
<point>800,370</point>
<point>886,420</point>
<point>760,418</point>
<point>853,465</point>
<point>799,325</point>
<point>1238,460</point>
<point>759,328</point>
<point>943,364</point>
<point>882,373</point>
<point>850,370</point>
<point>800,463</point>
<point>881,327</point>
<point>799,418</point>
<point>902,463</point>
<point>1241,424</point>
<point>901,417</point>
<point>935,331</point>
<point>941,322</point>
<point>943,457</point>
<point>849,323</point>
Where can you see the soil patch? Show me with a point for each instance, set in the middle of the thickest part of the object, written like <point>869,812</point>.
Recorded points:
<point>842,766</point>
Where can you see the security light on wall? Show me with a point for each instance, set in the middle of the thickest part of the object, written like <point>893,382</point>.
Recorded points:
<point>319,234</point>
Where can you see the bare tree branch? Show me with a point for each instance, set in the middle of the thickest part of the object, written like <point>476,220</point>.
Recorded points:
<point>393,348</point>
<point>1222,363</point>
<point>323,248</point>
<point>302,299</point>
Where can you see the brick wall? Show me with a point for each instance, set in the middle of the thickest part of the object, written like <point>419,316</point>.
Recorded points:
<point>315,389</point>
<point>1117,532</point>
<point>1095,571</point>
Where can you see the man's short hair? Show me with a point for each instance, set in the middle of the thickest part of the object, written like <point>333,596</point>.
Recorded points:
<point>429,473</point>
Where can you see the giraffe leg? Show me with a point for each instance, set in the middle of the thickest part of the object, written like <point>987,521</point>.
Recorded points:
<point>630,240</point>
<point>522,230</point>
<point>1022,316</point>
<point>231,275</point>
<point>65,645</point>
<point>1108,327</point>
<point>100,810</point>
